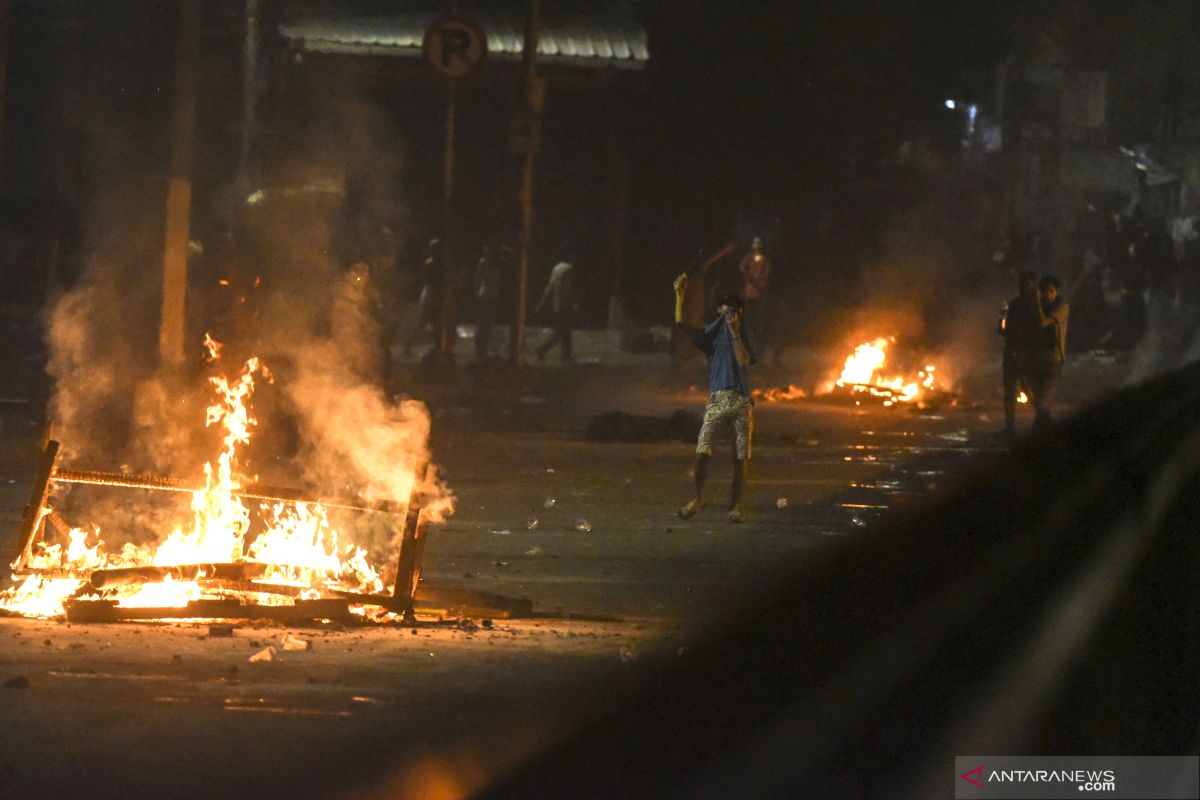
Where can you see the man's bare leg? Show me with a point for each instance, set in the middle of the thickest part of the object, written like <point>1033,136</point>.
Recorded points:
<point>739,484</point>
<point>700,474</point>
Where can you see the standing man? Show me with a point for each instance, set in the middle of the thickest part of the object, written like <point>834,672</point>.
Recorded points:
<point>487,301</point>
<point>756,276</point>
<point>561,299</point>
<point>1020,326</point>
<point>726,344</point>
<point>1051,349</point>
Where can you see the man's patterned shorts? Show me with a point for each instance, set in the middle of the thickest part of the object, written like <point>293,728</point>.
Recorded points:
<point>727,410</point>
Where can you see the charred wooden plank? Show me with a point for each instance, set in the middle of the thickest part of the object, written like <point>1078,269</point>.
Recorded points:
<point>32,522</point>
<point>408,568</point>
<point>130,576</point>
<point>300,611</point>
<point>252,587</point>
<point>433,601</point>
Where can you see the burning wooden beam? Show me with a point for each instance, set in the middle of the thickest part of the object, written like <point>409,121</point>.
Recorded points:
<point>34,513</point>
<point>299,611</point>
<point>408,562</point>
<point>132,576</point>
<point>254,491</point>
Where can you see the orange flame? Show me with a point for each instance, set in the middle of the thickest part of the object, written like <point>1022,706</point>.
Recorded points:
<point>866,370</point>
<point>299,544</point>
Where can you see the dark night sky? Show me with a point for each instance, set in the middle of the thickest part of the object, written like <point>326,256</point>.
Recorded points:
<point>763,108</point>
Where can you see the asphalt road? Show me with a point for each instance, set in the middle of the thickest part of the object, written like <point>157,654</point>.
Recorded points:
<point>588,531</point>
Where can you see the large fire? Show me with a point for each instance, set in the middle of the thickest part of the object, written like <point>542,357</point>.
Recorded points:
<point>297,547</point>
<point>868,370</point>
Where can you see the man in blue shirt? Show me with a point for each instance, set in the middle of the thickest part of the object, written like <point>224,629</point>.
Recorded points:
<point>726,344</point>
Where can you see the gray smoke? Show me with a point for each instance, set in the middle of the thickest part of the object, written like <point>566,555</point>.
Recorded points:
<point>326,422</point>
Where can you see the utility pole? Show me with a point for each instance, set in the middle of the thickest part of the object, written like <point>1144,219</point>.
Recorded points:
<point>446,332</point>
<point>249,86</point>
<point>530,118</point>
<point>179,187</point>
<point>5,16</point>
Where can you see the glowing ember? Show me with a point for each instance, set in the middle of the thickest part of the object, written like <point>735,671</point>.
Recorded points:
<point>774,395</point>
<point>299,547</point>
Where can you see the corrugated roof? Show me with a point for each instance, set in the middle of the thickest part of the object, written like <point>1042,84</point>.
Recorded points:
<point>604,33</point>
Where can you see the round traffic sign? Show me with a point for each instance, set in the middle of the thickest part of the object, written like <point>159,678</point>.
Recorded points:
<point>455,46</point>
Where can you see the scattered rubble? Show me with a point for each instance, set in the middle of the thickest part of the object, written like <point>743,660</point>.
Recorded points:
<point>266,654</point>
<point>294,643</point>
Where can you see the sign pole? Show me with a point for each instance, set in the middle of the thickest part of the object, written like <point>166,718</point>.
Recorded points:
<point>534,98</point>
<point>455,47</point>
<point>446,323</point>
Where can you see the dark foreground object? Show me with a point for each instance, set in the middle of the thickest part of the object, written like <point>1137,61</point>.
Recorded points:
<point>1050,607</point>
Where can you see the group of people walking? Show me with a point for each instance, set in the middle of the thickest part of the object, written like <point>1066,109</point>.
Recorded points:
<point>559,305</point>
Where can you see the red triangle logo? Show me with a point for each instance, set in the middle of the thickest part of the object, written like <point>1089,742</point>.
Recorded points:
<point>966,776</point>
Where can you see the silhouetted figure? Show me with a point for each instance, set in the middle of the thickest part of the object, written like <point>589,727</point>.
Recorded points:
<point>487,301</point>
<point>1050,351</point>
<point>561,300</point>
<point>1020,326</point>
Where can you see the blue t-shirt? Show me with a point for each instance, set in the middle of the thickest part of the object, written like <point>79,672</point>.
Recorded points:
<point>724,371</point>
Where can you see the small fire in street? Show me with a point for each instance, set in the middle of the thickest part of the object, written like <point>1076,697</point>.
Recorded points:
<point>294,554</point>
<point>869,370</point>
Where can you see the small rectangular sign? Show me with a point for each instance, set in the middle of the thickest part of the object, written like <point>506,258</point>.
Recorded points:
<point>1055,777</point>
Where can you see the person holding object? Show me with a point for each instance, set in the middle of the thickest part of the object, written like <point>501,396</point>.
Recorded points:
<point>729,350</point>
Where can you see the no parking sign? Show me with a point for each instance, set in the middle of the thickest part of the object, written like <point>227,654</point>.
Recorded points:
<point>455,46</point>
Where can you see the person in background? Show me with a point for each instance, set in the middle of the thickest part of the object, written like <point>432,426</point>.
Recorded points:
<point>561,300</point>
<point>487,301</point>
<point>1020,326</point>
<point>1050,349</point>
<point>756,277</point>
<point>725,342</point>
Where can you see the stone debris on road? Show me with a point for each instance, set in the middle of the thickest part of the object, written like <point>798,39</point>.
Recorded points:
<point>295,643</point>
<point>266,654</point>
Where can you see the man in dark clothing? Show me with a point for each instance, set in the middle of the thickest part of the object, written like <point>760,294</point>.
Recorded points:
<point>1050,351</point>
<point>724,341</point>
<point>1020,327</point>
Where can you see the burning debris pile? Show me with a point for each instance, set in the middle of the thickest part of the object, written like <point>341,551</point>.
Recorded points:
<point>869,372</point>
<point>282,559</point>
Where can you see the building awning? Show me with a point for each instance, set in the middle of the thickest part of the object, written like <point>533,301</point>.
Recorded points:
<point>576,33</point>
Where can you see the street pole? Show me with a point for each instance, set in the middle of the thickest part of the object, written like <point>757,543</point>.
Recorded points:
<point>249,86</point>
<point>534,102</point>
<point>179,188</point>
<point>5,15</point>
<point>446,333</point>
